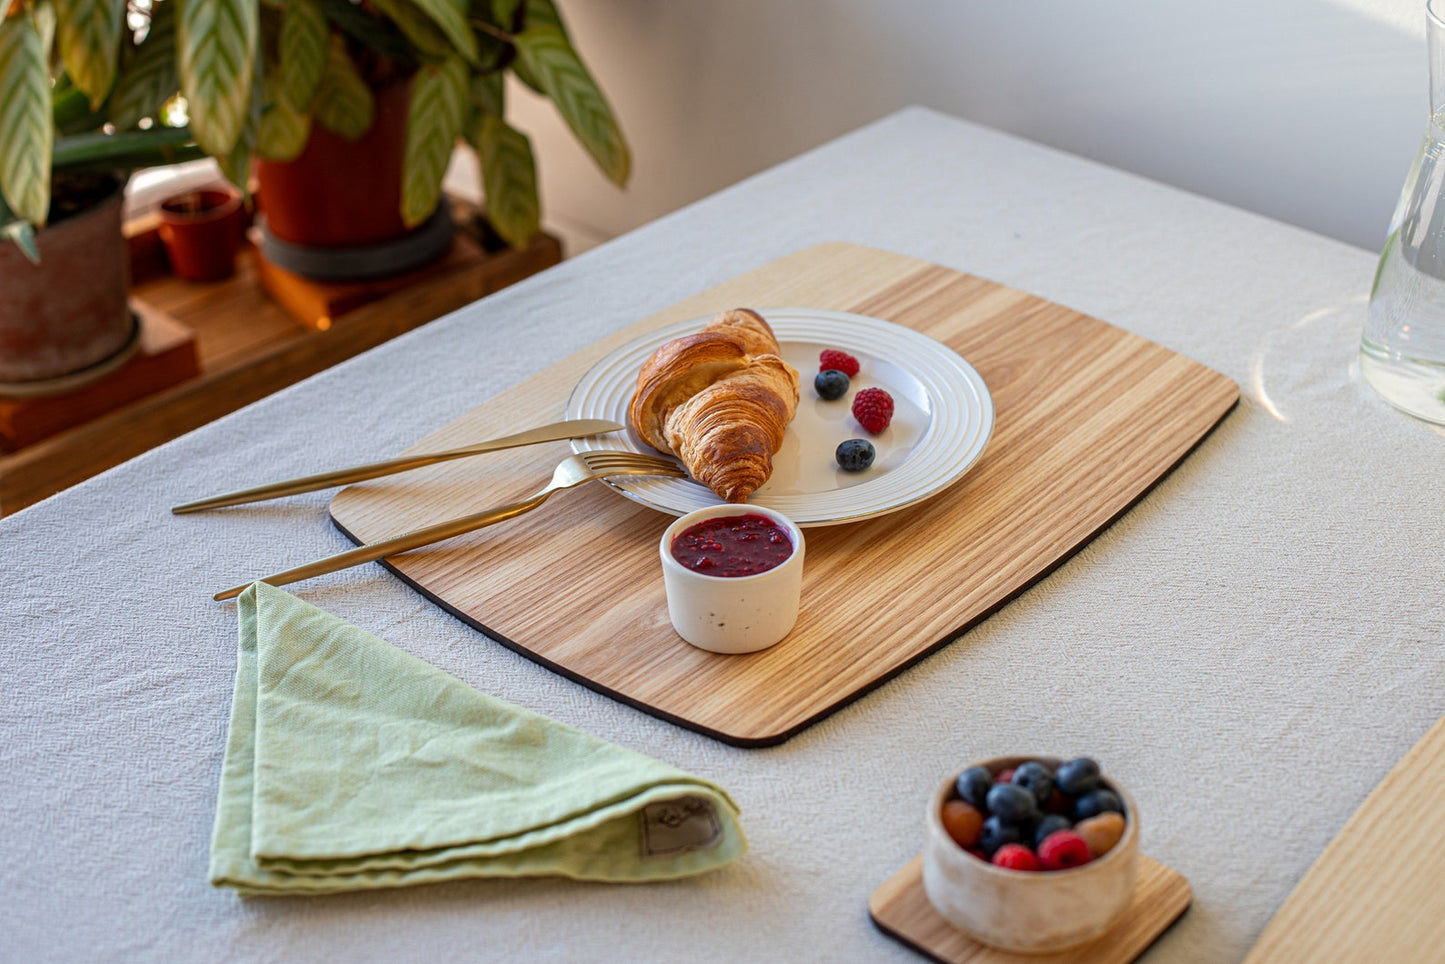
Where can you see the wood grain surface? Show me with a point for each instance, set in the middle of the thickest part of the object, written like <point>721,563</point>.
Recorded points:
<point>167,356</point>
<point>1377,892</point>
<point>1088,417</point>
<point>901,909</point>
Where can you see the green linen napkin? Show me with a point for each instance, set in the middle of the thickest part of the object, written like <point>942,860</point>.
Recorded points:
<point>351,765</point>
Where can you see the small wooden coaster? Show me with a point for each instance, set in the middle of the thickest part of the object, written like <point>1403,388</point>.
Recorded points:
<point>900,909</point>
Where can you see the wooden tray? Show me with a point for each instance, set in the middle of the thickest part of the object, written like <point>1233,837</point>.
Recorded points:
<point>166,356</point>
<point>1088,417</point>
<point>1377,893</point>
<point>900,908</point>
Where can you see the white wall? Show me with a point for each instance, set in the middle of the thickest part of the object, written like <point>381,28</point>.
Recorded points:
<point>1305,110</point>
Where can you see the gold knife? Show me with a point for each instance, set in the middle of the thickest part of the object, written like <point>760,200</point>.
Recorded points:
<point>578,428</point>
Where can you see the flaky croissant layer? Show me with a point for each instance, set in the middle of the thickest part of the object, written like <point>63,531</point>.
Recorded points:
<point>721,400</point>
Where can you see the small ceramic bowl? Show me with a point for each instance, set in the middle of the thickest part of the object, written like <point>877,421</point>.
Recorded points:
<point>733,614</point>
<point>1032,912</point>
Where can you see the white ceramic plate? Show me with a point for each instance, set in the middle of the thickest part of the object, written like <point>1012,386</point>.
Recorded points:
<point>943,415</point>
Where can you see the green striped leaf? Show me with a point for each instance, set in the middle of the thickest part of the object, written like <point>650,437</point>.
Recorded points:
<point>539,13</point>
<point>26,125</point>
<point>344,104</point>
<point>547,56</point>
<point>504,14</point>
<point>437,109</point>
<point>509,178</point>
<point>22,235</point>
<point>89,34</point>
<point>417,27</point>
<point>366,29</point>
<point>525,75</point>
<point>20,232</point>
<point>284,129</point>
<point>489,93</point>
<point>235,164</point>
<point>304,34</point>
<point>216,49</point>
<point>451,17</point>
<point>148,78</point>
<point>44,13</point>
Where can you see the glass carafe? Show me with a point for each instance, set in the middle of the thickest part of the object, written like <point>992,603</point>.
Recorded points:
<point>1402,352</point>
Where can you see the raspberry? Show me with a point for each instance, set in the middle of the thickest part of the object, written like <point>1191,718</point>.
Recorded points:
<point>1063,850</point>
<point>1005,776</point>
<point>838,360</point>
<point>873,408</point>
<point>1015,857</point>
<point>1050,825</point>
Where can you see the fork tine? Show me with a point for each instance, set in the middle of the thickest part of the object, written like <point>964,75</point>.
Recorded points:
<point>595,459</point>
<point>633,468</point>
<point>644,470</point>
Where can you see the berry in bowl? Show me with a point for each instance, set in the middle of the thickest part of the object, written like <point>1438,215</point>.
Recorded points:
<point>733,575</point>
<point>1031,854</point>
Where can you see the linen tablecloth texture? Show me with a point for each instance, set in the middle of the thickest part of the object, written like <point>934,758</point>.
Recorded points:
<point>352,765</point>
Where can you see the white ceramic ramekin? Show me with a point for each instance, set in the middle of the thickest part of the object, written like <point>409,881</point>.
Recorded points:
<point>733,614</point>
<point>1031,912</point>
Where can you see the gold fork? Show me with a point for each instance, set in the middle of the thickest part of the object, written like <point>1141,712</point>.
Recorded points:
<point>359,473</point>
<point>573,470</point>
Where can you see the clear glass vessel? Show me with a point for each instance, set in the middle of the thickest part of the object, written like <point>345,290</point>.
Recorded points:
<point>1402,351</point>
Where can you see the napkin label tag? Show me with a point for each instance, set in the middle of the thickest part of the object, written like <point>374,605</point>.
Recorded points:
<point>673,827</point>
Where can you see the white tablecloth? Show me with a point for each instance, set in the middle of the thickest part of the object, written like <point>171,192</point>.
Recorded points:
<point>1249,649</point>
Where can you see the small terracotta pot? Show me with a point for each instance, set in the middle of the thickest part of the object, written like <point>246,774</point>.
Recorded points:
<point>201,230</point>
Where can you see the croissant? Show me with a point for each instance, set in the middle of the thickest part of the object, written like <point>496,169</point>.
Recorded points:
<point>720,400</point>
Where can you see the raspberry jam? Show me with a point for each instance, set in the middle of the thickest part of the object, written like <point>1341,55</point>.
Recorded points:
<point>733,545</point>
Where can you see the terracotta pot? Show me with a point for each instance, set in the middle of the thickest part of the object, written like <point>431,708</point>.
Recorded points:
<point>338,193</point>
<point>68,312</point>
<point>201,230</point>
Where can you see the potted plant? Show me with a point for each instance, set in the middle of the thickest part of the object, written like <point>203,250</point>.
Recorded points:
<point>81,99</point>
<point>95,89</point>
<point>358,109</point>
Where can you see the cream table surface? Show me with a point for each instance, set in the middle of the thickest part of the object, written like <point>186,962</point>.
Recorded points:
<point>1249,649</point>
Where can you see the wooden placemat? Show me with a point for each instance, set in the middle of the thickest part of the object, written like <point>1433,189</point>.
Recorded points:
<point>1087,418</point>
<point>901,909</point>
<point>1377,892</point>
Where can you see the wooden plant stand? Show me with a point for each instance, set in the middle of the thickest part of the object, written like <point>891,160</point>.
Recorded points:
<point>246,346</point>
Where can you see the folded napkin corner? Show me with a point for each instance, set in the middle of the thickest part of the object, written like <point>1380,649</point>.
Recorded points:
<point>351,765</point>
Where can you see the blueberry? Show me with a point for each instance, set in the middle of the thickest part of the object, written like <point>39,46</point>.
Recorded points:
<point>831,384</point>
<point>1053,823</point>
<point>854,455</point>
<point>1037,778</point>
<point>1096,802</point>
<point>996,833</point>
<point>1013,803</point>
<point>973,785</point>
<point>1077,777</point>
